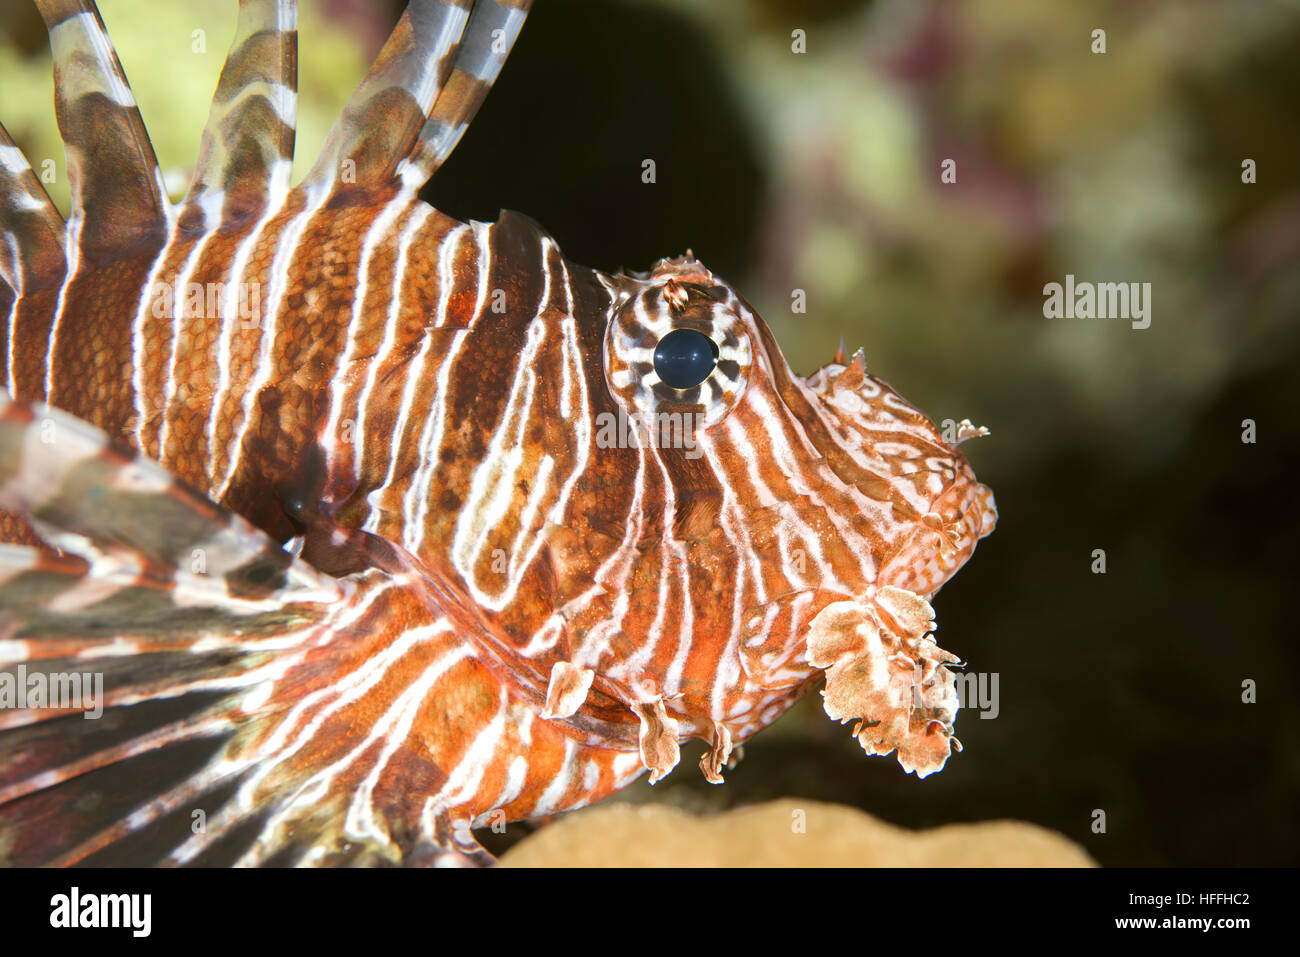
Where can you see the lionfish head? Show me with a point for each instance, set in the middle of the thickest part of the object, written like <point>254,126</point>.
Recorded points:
<point>827,511</point>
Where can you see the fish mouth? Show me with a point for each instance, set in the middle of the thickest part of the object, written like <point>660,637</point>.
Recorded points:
<point>974,511</point>
<point>983,504</point>
<point>944,538</point>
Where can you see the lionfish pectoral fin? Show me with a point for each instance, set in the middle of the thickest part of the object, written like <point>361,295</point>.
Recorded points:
<point>246,150</point>
<point>31,229</point>
<point>412,108</point>
<point>116,697</point>
<point>119,205</point>
<point>156,609</point>
<point>203,653</point>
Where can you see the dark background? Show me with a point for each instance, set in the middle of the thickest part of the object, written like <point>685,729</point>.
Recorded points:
<point>1120,692</point>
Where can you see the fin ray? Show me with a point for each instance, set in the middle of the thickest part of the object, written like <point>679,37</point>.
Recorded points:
<point>31,229</point>
<point>382,119</point>
<point>118,202</point>
<point>246,149</point>
<point>414,105</point>
<point>231,688</point>
<point>493,28</point>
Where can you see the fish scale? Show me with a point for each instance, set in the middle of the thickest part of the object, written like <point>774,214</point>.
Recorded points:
<point>385,510</point>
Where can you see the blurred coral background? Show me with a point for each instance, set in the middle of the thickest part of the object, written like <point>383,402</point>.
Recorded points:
<point>820,171</point>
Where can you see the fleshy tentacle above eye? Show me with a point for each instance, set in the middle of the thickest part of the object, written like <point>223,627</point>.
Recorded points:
<point>247,146</point>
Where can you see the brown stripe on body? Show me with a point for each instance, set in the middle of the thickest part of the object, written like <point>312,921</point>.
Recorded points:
<point>245,344</point>
<point>422,338</point>
<point>200,307</point>
<point>556,450</point>
<point>482,374</point>
<point>30,335</point>
<point>481,379</point>
<point>92,358</point>
<point>232,308</point>
<point>311,330</point>
<point>598,510</point>
<point>8,300</point>
<point>152,314</point>
<point>603,494</point>
<point>365,339</point>
<point>315,293</point>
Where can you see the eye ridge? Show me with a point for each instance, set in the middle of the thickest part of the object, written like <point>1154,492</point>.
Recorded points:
<point>684,358</point>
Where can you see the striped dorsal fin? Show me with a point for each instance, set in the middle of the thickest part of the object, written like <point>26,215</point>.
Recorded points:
<point>118,201</point>
<point>414,104</point>
<point>246,151</point>
<point>31,229</point>
<point>493,28</point>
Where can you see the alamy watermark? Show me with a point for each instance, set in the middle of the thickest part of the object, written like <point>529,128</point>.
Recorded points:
<point>660,430</point>
<point>213,300</point>
<point>976,691</point>
<point>1102,300</point>
<point>75,690</point>
<point>133,912</point>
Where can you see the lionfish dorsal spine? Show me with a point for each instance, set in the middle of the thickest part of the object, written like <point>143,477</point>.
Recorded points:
<point>246,150</point>
<point>382,119</point>
<point>119,205</point>
<point>490,36</point>
<point>31,228</point>
<point>411,109</point>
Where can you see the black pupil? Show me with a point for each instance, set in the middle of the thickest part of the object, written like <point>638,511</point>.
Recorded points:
<point>684,358</point>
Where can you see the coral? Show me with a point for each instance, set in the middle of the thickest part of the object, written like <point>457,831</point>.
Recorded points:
<point>789,833</point>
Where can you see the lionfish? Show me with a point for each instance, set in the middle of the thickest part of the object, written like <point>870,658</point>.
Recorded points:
<point>376,526</point>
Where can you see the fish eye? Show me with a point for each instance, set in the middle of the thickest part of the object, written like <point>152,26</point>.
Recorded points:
<point>684,358</point>
<point>678,347</point>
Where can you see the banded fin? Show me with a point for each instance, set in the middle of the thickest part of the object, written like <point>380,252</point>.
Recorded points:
<point>31,229</point>
<point>90,500</point>
<point>151,639</point>
<point>119,204</point>
<point>201,675</point>
<point>490,35</point>
<point>246,150</point>
<point>412,108</point>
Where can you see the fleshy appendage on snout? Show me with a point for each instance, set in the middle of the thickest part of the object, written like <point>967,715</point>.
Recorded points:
<point>885,671</point>
<point>883,668</point>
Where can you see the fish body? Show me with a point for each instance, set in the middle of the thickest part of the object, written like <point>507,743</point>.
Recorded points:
<point>406,525</point>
